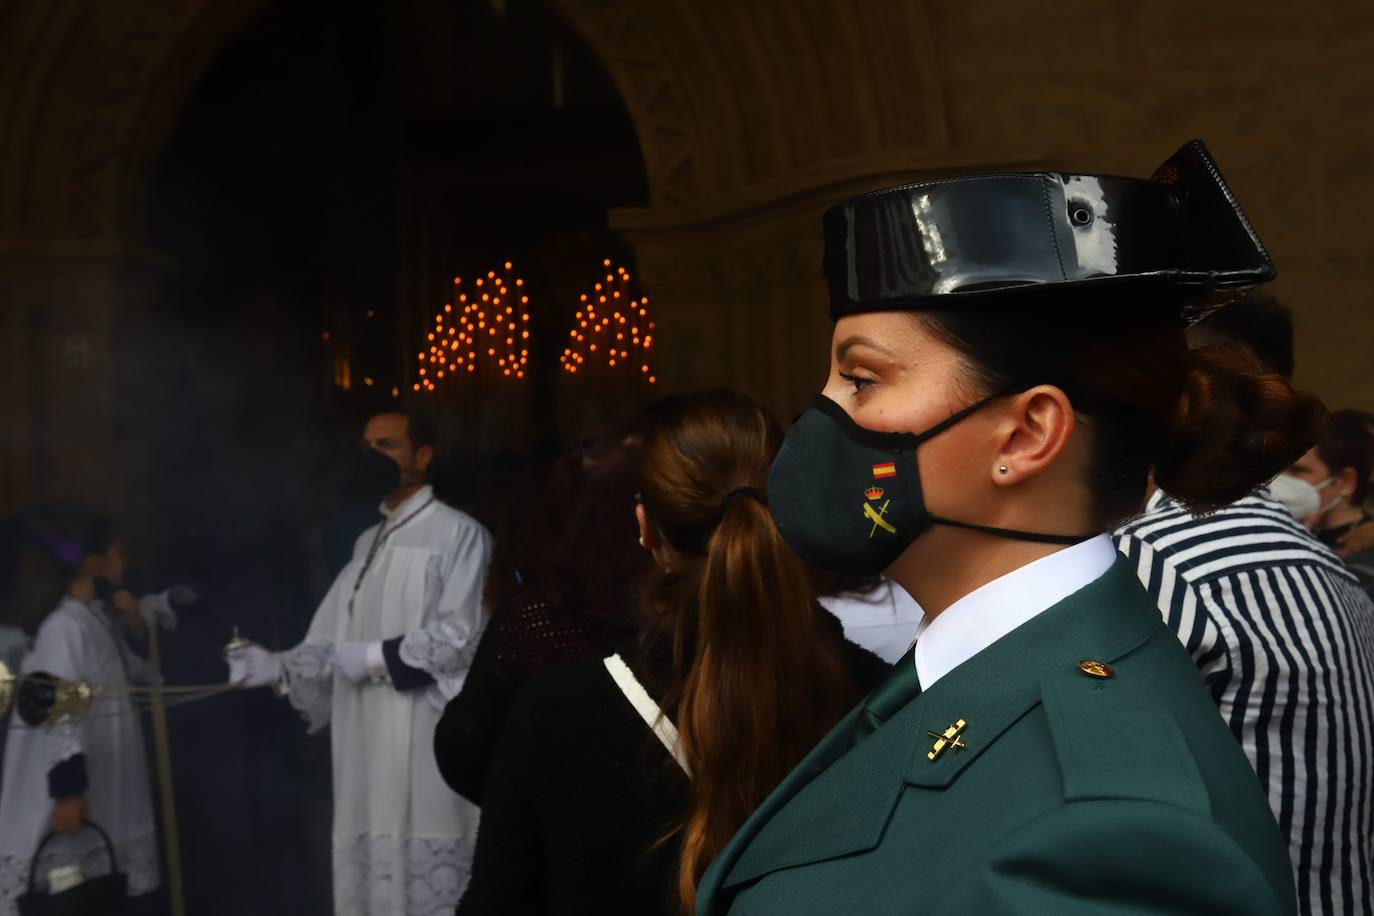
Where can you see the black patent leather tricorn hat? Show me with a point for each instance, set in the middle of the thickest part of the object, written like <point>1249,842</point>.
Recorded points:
<point>1180,236</point>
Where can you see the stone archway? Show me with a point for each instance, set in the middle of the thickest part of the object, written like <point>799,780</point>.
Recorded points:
<point>728,244</point>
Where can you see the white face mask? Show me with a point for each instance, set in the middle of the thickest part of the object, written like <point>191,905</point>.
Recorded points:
<point>1299,497</point>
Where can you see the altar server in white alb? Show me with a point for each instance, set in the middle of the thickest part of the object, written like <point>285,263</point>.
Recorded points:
<point>389,645</point>
<point>88,768</point>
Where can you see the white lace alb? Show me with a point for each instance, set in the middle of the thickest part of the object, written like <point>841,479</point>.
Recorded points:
<point>309,672</point>
<point>444,652</point>
<point>435,871</point>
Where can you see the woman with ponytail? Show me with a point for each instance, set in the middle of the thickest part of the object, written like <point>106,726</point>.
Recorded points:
<point>618,780</point>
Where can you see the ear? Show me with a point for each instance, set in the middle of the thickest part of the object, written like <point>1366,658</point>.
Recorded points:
<point>648,537</point>
<point>1346,482</point>
<point>1038,425</point>
<point>423,456</point>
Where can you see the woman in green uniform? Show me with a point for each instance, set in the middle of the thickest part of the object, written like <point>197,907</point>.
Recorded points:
<point>1009,376</point>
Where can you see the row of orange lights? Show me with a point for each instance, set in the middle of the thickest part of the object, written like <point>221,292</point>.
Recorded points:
<point>490,326</point>
<point>612,326</point>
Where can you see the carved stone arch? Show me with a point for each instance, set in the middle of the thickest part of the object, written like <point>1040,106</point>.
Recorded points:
<point>116,77</point>
<point>623,34</point>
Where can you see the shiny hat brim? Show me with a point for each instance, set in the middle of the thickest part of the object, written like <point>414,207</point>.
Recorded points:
<point>1180,234</point>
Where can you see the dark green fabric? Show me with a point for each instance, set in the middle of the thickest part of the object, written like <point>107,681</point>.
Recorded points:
<point>900,688</point>
<point>1074,794</point>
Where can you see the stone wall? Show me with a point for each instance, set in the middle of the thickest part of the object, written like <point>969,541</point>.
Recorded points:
<point>752,115</point>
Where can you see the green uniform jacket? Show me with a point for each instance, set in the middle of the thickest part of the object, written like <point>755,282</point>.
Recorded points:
<point>1074,794</point>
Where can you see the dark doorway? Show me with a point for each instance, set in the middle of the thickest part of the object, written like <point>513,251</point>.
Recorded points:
<point>332,172</point>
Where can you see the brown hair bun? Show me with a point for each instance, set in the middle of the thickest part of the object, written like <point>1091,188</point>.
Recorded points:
<point>1237,425</point>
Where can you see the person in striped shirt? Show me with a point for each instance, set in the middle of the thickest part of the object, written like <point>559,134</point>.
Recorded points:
<point>1283,635</point>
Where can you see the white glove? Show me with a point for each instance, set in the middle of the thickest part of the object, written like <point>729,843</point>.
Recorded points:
<point>156,611</point>
<point>360,661</point>
<point>254,666</point>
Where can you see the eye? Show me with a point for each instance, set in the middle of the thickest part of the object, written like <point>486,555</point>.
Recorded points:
<point>860,384</point>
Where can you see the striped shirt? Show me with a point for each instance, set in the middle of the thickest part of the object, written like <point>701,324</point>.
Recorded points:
<point>1284,638</point>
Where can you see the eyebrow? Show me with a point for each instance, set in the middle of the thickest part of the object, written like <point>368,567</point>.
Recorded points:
<point>849,343</point>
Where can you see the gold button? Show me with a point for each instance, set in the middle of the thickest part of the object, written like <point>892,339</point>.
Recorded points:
<point>1094,668</point>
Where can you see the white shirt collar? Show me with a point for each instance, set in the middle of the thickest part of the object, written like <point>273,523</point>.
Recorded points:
<point>407,505</point>
<point>985,615</point>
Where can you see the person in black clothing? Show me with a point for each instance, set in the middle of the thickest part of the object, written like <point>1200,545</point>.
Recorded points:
<point>558,584</point>
<point>617,780</point>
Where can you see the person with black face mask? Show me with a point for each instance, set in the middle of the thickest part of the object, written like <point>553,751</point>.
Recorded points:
<point>390,644</point>
<point>1009,369</point>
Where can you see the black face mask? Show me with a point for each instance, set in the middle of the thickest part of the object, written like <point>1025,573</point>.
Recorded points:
<point>849,499</point>
<point>373,475</point>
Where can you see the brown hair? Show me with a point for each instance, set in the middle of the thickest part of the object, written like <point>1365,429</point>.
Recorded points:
<point>754,680</point>
<point>582,554</point>
<point>1210,424</point>
<point>1347,443</point>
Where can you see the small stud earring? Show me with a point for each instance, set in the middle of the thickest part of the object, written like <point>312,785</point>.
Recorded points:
<point>1002,469</point>
<point>641,541</point>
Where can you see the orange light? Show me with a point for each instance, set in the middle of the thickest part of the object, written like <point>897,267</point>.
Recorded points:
<point>606,263</point>
<point>508,265</point>
<point>602,299</point>
<point>519,282</point>
<point>491,351</point>
<point>643,368</point>
<point>417,386</point>
<point>471,367</point>
<point>612,362</point>
<point>431,335</point>
<point>491,273</point>
<point>524,300</point>
<point>510,341</point>
<point>479,281</point>
<point>524,335</point>
<point>519,375</point>
<point>440,373</point>
<point>447,308</point>
<point>598,287</point>
<point>593,348</point>
<point>652,380</point>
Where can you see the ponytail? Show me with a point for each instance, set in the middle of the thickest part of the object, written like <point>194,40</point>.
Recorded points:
<point>762,689</point>
<point>755,681</point>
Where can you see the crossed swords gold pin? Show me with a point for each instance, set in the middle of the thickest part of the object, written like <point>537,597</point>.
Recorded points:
<point>949,738</point>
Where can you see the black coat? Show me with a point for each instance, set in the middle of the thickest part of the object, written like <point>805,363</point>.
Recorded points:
<point>524,639</point>
<point>579,798</point>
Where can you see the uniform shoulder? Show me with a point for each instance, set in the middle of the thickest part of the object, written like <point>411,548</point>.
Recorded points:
<point>1116,738</point>
<point>1126,856</point>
